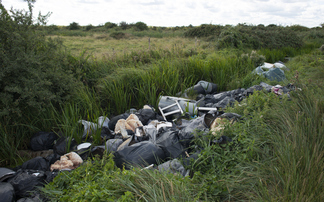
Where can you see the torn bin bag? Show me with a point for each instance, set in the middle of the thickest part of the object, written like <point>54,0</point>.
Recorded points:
<point>140,154</point>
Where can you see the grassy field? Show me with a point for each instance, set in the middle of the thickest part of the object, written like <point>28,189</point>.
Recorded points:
<point>102,46</point>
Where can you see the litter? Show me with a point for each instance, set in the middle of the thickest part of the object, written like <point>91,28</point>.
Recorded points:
<point>113,144</point>
<point>140,154</point>
<point>202,87</point>
<point>7,192</point>
<point>273,72</point>
<point>141,137</point>
<point>84,145</point>
<point>90,128</point>
<point>6,173</point>
<point>43,141</point>
<point>38,163</point>
<point>173,166</point>
<point>26,181</point>
<point>169,142</point>
<point>131,123</point>
<point>68,161</point>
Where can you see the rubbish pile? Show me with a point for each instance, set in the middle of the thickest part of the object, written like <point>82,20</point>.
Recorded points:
<point>144,138</point>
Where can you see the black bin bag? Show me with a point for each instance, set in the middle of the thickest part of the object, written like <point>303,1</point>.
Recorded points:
<point>7,192</point>
<point>144,115</point>
<point>114,120</point>
<point>187,133</point>
<point>6,173</point>
<point>27,181</point>
<point>43,141</point>
<point>62,144</point>
<point>140,154</point>
<point>37,163</point>
<point>169,142</point>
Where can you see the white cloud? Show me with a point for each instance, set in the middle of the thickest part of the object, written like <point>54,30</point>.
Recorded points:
<point>179,12</point>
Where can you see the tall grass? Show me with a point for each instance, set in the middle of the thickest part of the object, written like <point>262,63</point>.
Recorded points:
<point>292,170</point>
<point>103,181</point>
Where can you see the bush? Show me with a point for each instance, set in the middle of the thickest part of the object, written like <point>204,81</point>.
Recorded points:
<point>123,25</point>
<point>141,26</point>
<point>74,26</point>
<point>204,30</point>
<point>89,27</point>
<point>118,35</point>
<point>110,25</point>
<point>229,38</point>
<point>32,75</point>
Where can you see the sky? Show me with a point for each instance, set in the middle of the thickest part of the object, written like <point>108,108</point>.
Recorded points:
<point>170,13</point>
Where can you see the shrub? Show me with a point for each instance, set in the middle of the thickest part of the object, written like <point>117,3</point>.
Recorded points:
<point>299,28</point>
<point>123,25</point>
<point>74,26</point>
<point>229,38</point>
<point>141,26</point>
<point>31,72</point>
<point>204,30</point>
<point>89,27</point>
<point>110,25</point>
<point>118,35</point>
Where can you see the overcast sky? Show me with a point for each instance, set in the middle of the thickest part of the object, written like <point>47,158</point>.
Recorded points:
<point>169,13</point>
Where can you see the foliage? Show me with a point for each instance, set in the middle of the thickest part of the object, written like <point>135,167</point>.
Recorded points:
<point>74,26</point>
<point>118,35</point>
<point>100,180</point>
<point>89,27</point>
<point>32,74</point>
<point>123,25</point>
<point>204,30</point>
<point>141,26</point>
<point>110,25</point>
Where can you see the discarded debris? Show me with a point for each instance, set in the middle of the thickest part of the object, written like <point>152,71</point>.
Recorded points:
<point>68,161</point>
<point>141,138</point>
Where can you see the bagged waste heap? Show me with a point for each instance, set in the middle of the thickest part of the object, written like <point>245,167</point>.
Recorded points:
<point>141,138</point>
